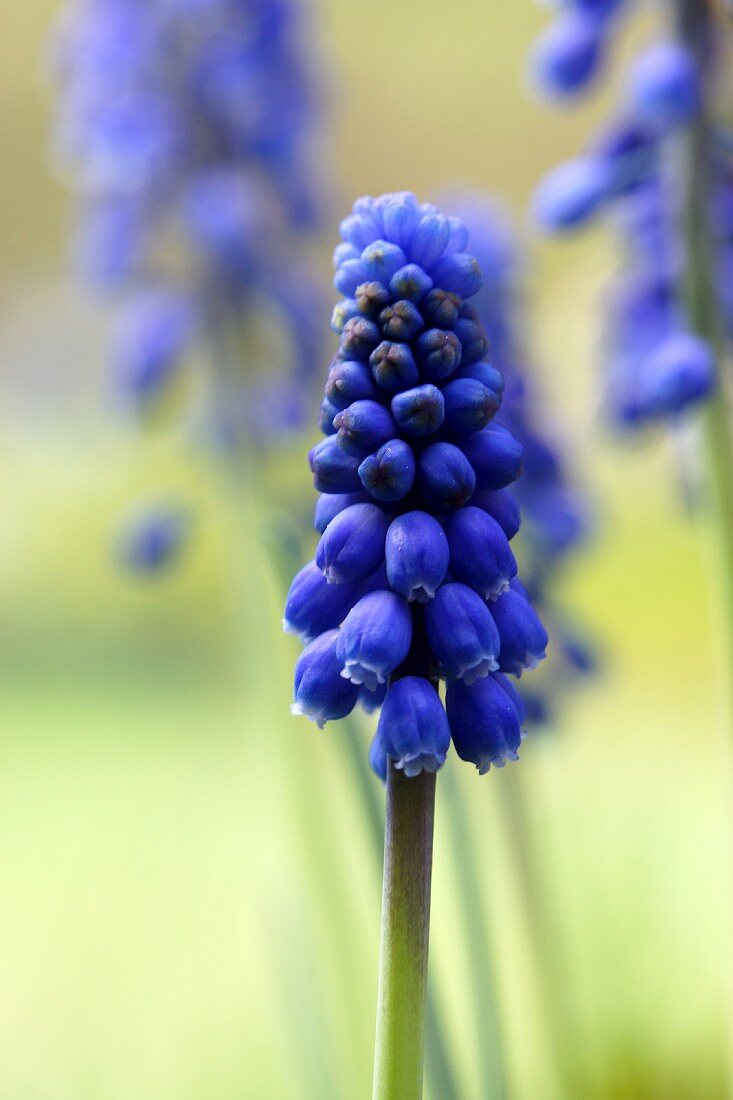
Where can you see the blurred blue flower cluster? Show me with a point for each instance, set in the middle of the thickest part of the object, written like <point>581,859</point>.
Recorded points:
<point>414,579</point>
<point>186,129</point>
<point>554,514</point>
<point>657,368</point>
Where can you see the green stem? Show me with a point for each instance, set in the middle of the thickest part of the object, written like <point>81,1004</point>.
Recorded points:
<point>403,960</point>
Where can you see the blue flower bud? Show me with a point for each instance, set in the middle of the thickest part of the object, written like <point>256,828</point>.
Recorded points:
<point>462,633</point>
<point>326,415</point>
<point>393,366</point>
<point>364,426</point>
<point>370,701</point>
<point>571,194</point>
<point>410,282</point>
<point>495,455</point>
<point>459,274</point>
<point>375,638</point>
<point>446,477</point>
<point>321,692</point>
<point>512,691</point>
<point>343,312</point>
<point>150,338</point>
<point>153,538</point>
<point>358,230</point>
<point>416,554</point>
<point>470,332</point>
<point>371,298</point>
<point>484,723</point>
<point>413,728</point>
<point>568,54</point>
<point>486,374</point>
<point>429,240</point>
<point>349,275</point>
<point>359,338</point>
<point>382,260</point>
<point>678,373</point>
<point>343,252</point>
<point>502,505</point>
<point>458,236</point>
<point>523,637</point>
<point>400,219</point>
<point>378,759</point>
<point>469,406</point>
<point>334,471</point>
<point>665,85</point>
<point>349,381</point>
<point>480,554</point>
<point>352,546</point>
<point>419,411</point>
<point>313,605</point>
<point>390,473</point>
<point>401,321</point>
<point>329,505</point>
<point>439,354</point>
<point>441,308</point>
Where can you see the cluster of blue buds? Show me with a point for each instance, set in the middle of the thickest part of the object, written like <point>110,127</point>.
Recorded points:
<point>414,580</point>
<point>553,511</point>
<point>657,368</point>
<point>186,129</point>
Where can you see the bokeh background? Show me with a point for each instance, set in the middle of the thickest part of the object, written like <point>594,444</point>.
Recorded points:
<point>189,900</point>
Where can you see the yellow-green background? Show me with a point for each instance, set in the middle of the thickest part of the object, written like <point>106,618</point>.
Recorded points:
<point>188,904</point>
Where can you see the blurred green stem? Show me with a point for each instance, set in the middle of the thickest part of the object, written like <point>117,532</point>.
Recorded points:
<point>403,958</point>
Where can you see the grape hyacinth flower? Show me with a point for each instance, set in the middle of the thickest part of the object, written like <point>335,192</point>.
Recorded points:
<point>411,472</point>
<point>186,132</point>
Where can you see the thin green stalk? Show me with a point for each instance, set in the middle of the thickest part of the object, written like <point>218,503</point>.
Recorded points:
<point>403,959</point>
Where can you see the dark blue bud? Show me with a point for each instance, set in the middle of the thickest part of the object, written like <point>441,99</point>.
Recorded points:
<point>440,308</point>
<point>495,455</point>
<point>419,411</point>
<point>474,341</point>
<point>439,354</point>
<point>458,236</point>
<point>486,374</point>
<point>665,85</point>
<point>568,54</point>
<point>390,473</point>
<point>462,634</point>
<point>678,373</point>
<point>153,539</point>
<point>326,416</point>
<point>400,219</point>
<point>459,273</point>
<point>321,692</point>
<point>410,282</point>
<point>334,471</point>
<point>446,477</point>
<point>469,406</point>
<point>359,338</point>
<point>571,194</point>
<point>502,505</point>
<point>374,638</point>
<point>329,505</point>
<point>349,381</point>
<point>364,426</point>
<point>343,311</point>
<point>348,276</point>
<point>484,723</point>
<point>413,728</point>
<point>382,259</point>
<point>429,240</point>
<point>393,366</point>
<point>378,759</point>
<point>352,546</point>
<point>313,605</point>
<point>416,554</point>
<point>480,554</point>
<point>401,321</point>
<point>371,298</point>
<point>523,637</point>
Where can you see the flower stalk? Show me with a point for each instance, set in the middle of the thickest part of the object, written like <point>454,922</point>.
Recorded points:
<point>403,964</point>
